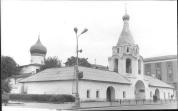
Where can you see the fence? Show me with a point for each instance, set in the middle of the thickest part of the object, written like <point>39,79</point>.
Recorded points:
<point>125,102</point>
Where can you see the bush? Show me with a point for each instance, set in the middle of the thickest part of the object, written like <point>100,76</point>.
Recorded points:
<point>42,98</point>
<point>91,100</point>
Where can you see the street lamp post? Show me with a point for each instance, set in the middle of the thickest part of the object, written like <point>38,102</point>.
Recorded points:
<point>77,98</point>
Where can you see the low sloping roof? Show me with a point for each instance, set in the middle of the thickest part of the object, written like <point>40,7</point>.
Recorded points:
<point>156,82</point>
<point>96,66</point>
<point>31,65</point>
<point>67,73</point>
<point>168,57</point>
<point>24,75</point>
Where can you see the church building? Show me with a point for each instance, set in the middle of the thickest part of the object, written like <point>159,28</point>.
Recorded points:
<point>125,78</point>
<point>38,52</point>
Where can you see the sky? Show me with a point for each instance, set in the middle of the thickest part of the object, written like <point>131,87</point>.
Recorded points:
<point>153,25</point>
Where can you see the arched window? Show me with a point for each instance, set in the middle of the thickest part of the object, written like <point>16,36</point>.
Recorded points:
<point>139,66</point>
<point>115,65</point>
<point>128,66</point>
<point>88,93</point>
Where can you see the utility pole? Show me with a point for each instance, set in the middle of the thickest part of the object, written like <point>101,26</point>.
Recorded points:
<point>77,98</point>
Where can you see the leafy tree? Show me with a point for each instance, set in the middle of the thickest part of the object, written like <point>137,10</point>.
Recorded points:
<point>5,85</point>
<point>81,62</point>
<point>51,62</point>
<point>9,68</point>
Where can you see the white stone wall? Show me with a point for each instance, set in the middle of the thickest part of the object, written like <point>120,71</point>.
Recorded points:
<point>37,59</point>
<point>162,91</point>
<point>102,88</point>
<point>51,87</point>
<point>29,69</point>
<point>65,87</point>
<point>16,86</point>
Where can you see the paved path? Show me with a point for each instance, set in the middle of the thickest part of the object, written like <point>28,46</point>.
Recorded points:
<point>40,105</point>
<point>135,107</point>
<point>86,106</point>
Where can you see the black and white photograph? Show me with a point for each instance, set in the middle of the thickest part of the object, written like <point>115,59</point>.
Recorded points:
<point>75,55</point>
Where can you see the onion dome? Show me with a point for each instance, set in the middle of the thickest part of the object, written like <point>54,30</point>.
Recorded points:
<point>125,17</point>
<point>38,48</point>
<point>125,36</point>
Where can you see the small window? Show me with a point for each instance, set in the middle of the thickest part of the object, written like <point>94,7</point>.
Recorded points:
<point>117,50</point>
<point>88,93</point>
<point>164,95</point>
<point>37,70</point>
<point>127,49</point>
<point>97,94</point>
<point>124,94</point>
<point>141,90</point>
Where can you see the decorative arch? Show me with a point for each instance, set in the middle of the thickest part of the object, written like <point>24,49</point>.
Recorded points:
<point>139,90</point>
<point>110,93</point>
<point>128,65</point>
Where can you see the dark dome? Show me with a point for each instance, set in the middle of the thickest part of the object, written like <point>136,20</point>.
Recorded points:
<point>126,17</point>
<point>38,48</point>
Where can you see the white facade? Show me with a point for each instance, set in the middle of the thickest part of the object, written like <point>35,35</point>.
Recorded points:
<point>37,58</point>
<point>65,87</point>
<point>16,86</point>
<point>52,87</point>
<point>30,69</point>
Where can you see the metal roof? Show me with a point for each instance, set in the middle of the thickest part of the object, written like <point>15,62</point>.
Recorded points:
<point>168,57</point>
<point>67,73</point>
<point>30,65</point>
<point>156,82</point>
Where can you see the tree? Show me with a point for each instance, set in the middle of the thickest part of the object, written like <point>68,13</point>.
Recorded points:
<point>5,85</point>
<point>51,62</point>
<point>9,68</point>
<point>81,62</point>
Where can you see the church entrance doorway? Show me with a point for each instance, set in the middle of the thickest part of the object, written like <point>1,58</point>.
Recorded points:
<point>139,90</point>
<point>157,94</point>
<point>110,94</point>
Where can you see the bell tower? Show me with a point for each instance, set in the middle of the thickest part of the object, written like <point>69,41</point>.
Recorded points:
<point>125,57</point>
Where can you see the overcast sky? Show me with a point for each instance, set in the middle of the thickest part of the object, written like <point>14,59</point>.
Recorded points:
<point>153,25</point>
